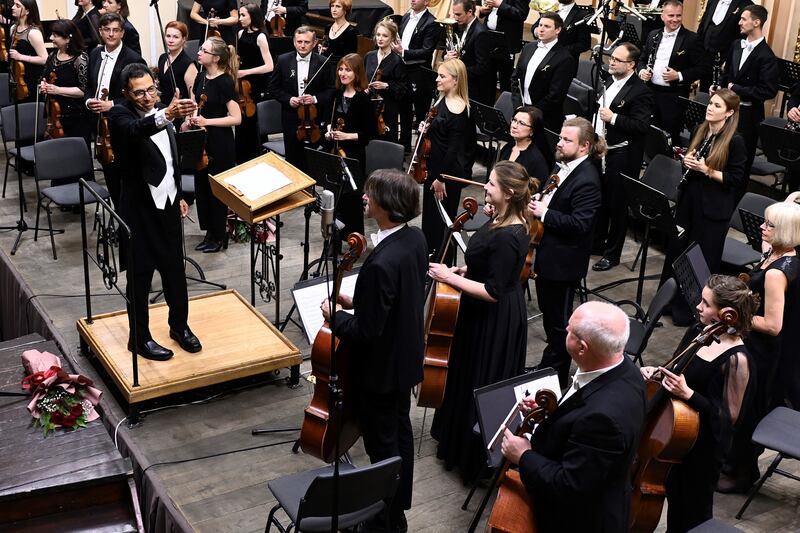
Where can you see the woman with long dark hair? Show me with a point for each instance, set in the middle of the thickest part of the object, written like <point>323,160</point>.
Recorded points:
<point>490,338</point>
<point>27,46</point>
<point>392,87</point>
<point>131,37</point>
<point>526,122</point>
<point>87,19</point>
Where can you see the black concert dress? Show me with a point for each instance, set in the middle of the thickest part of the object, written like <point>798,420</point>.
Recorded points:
<point>89,26</point>
<point>33,73</point>
<point>344,43</point>
<point>787,385</point>
<point>76,119</point>
<point>248,145</point>
<point>531,158</point>
<point>393,72</point>
<point>179,67</point>
<point>489,344</point>
<point>222,9</point>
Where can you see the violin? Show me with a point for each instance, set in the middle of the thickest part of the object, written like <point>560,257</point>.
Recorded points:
<point>246,103</point>
<point>670,432</point>
<point>419,159</point>
<point>536,232</point>
<point>212,13</point>
<point>103,149</point>
<point>55,130</point>
<point>19,73</point>
<point>337,150</point>
<point>308,130</point>
<point>320,426</point>
<point>3,51</point>
<point>440,321</point>
<point>278,23</point>
<point>203,163</point>
<point>513,509</point>
<point>377,99</point>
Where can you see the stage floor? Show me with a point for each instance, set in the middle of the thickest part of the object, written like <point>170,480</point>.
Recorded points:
<point>237,342</point>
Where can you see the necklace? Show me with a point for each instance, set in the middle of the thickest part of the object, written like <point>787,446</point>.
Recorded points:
<point>335,31</point>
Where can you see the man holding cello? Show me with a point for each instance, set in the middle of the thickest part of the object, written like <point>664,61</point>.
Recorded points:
<point>577,464</point>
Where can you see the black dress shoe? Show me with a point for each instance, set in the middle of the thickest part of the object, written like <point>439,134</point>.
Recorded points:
<point>604,264</point>
<point>202,244</point>
<point>188,340</point>
<point>152,350</point>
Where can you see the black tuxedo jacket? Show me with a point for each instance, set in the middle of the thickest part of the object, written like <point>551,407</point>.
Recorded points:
<point>687,56</point>
<point>757,80</point>
<point>476,56</point>
<point>126,57</point>
<point>386,332</point>
<point>511,17</point>
<point>719,38</point>
<point>563,254</point>
<point>423,42</point>
<point>283,85</point>
<point>794,100</point>
<point>634,107</point>
<point>576,39</point>
<point>578,468</point>
<point>550,83</point>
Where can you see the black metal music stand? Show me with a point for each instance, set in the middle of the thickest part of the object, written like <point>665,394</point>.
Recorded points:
<point>492,122</point>
<point>626,29</point>
<point>691,273</point>
<point>789,76</point>
<point>328,172</point>
<point>751,223</point>
<point>694,114</point>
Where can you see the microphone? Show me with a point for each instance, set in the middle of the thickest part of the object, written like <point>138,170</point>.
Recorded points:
<point>326,202</point>
<point>348,173</point>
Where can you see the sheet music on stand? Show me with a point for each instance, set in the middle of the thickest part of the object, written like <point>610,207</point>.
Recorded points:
<point>258,180</point>
<point>308,295</point>
<point>447,222</point>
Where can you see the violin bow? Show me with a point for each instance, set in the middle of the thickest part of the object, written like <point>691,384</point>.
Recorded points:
<point>154,5</point>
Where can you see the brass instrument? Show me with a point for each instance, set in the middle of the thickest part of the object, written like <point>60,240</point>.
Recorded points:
<point>545,6</point>
<point>452,42</point>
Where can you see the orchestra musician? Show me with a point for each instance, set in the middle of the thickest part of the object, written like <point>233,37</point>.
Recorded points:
<point>793,105</point>
<point>342,37</point>
<point>145,148</point>
<point>717,384</point>
<point>676,57</point>
<point>577,464</point>
<point>419,35</point>
<point>718,29</point>
<point>568,215</point>
<point>28,45</point>
<point>576,38</point>
<point>490,338</point>
<point>452,138</point>
<point>623,119</point>
<point>105,65</point>
<point>184,68</point>
<point>475,51</point>
<point>292,10</point>
<point>507,17</point>
<point>386,331</point>
<point>226,16</point>
<point>708,197</point>
<point>544,72</point>
<point>131,36</point>
<point>526,125</point>
<point>255,65</point>
<point>219,114</point>
<point>70,63</point>
<point>751,71</point>
<point>351,104</point>
<point>392,87</point>
<point>87,19</point>
<point>296,81</point>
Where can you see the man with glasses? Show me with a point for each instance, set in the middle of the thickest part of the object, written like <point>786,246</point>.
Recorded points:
<point>105,65</point>
<point>623,118</point>
<point>147,159</point>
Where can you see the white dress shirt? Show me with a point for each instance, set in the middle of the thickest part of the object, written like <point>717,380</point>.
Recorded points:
<point>408,32</point>
<point>611,92</point>
<point>107,68</point>
<point>270,13</point>
<point>564,10</point>
<point>565,169</point>
<point>536,59</point>
<point>376,238</point>
<point>664,52</point>
<point>720,11</point>
<point>167,188</point>
<point>747,49</point>
<point>581,379</point>
<point>303,64</point>
<point>491,20</point>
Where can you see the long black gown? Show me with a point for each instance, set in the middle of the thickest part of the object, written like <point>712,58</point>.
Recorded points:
<point>787,385</point>
<point>393,72</point>
<point>489,345</point>
<point>248,145</point>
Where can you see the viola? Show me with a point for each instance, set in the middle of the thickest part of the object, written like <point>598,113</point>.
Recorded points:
<point>19,73</point>
<point>379,103</point>
<point>308,129</point>
<point>440,321</point>
<point>512,511</point>
<point>320,426</point>
<point>670,432</point>
<point>246,103</point>
<point>278,23</point>
<point>212,13</point>
<point>103,148</point>
<point>536,232</point>
<point>55,130</point>
<point>337,150</point>
<point>419,159</point>
<point>203,163</point>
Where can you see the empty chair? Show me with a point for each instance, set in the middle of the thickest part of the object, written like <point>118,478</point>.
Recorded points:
<point>586,71</point>
<point>268,114</point>
<point>656,142</point>
<point>191,48</point>
<point>736,253</point>
<point>5,97</point>
<point>505,105</point>
<point>643,323</point>
<point>31,124</point>
<point>782,149</point>
<point>383,154</point>
<point>580,99</point>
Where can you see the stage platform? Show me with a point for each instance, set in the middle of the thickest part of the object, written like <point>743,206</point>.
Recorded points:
<point>238,342</point>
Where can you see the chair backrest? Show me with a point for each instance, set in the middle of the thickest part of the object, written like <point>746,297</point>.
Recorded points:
<point>383,154</point>
<point>580,98</point>
<point>702,98</point>
<point>656,141</point>
<point>359,489</point>
<point>192,48</point>
<point>781,146</point>
<point>27,122</point>
<point>5,96</point>
<point>552,139</point>
<point>660,302</point>
<point>268,114</point>
<point>505,105</point>
<point>586,71</point>
<point>663,174</point>
<point>755,203</point>
<point>67,157</point>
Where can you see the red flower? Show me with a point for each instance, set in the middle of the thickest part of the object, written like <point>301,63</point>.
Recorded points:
<point>76,410</point>
<point>69,421</point>
<point>57,418</point>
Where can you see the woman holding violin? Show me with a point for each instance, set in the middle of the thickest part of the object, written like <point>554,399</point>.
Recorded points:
<point>215,94</point>
<point>217,16</point>
<point>27,53</point>
<point>65,82</point>
<point>526,123</point>
<point>183,67</point>
<point>452,150</point>
<point>491,334</point>
<point>255,65</point>
<point>131,37</point>
<point>350,130</point>
<point>87,20</point>
<point>388,85</point>
<point>341,38</point>
<point>718,384</point>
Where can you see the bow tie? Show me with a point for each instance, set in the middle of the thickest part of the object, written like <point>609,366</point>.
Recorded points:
<point>748,46</point>
<point>562,167</point>
<point>669,35</point>
<point>303,59</point>
<point>540,44</point>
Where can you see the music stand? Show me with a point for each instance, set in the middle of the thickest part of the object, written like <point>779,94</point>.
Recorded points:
<point>326,169</point>
<point>651,207</point>
<point>491,122</point>
<point>629,33</point>
<point>693,115</point>
<point>752,228</point>
<point>691,273</point>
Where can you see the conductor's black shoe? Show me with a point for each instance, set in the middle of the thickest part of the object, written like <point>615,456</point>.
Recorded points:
<point>152,350</point>
<point>202,244</point>
<point>604,264</point>
<point>186,339</point>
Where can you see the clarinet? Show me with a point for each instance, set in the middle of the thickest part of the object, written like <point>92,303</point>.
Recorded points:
<point>716,71</point>
<point>651,60</point>
<point>793,126</point>
<point>701,152</point>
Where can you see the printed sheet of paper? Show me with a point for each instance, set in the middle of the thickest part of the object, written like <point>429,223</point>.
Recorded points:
<point>448,223</point>
<point>309,297</point>
<point>524,390</point>
<point>258,180</point>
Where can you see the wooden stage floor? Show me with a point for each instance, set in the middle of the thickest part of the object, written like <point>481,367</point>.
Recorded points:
<point>228,493</point>
<point>237,342</point>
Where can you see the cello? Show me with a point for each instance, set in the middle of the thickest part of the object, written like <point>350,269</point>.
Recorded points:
<point>670,432</point>
<point>419,159</point>
<point>318,436</point>
<point>440,321</point>
<point>512,511</point>
<point>536,232</point>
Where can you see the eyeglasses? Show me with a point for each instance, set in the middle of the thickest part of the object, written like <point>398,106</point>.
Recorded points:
<point>150,91</point>
<point>208,52</point>
<point>112,31</point>
<point>515,120</point>
<point>617,60</point>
